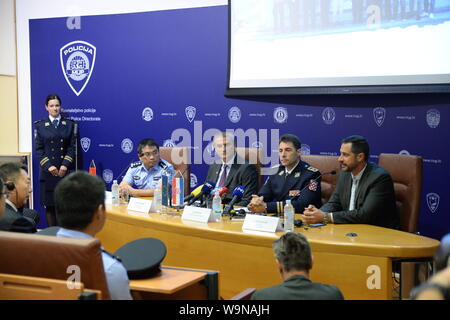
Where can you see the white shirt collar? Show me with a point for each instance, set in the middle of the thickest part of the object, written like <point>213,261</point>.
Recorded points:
<point>359,175</point>
<point>11,204</point>
<point>51,118</point>
<point>290,171</point>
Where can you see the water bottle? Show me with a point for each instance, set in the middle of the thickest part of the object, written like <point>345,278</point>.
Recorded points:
<point>115,193</point>
<point>178,190</point>
<point>216,208</point>
<point>289,217</point>
<point>157,197</point>
<point>93,168</point>
<point>165,190</point>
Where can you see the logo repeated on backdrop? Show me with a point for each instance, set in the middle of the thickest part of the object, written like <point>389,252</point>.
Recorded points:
<point>433,118</point>
<point>147,114</point>
<point>194,180</point>
<point>169,143</point>
<point>433,201</point>
<point>77,63</point>
<point>127,145</point>
<point>190,112</point>
<point>379,114</point>
<point>210,149</point>
<point>85,143</point>
<point>280,115</point>
<point>328,115</point>
<point>234,114</point>
<point>257,144</point>
<point>404,152</point>
<point>306,150</point>
<point>107,175</point>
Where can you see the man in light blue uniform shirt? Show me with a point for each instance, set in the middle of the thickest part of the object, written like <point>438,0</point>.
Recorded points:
<point>80,210</point>
<point>142,178</point>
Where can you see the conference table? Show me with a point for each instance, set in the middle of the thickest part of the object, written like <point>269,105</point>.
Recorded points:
<point>355,257</point>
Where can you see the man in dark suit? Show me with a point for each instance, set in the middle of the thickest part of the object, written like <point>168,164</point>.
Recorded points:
<point>364,192</point>
<point>294,260</point>
<point>293,175</point>
<point>231,170</point>
<point>18,188</point>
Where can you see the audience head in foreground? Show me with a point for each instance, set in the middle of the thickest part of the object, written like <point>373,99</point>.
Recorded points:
<point>294,261</point>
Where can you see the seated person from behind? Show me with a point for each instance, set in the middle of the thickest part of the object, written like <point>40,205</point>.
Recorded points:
<point>80,210</point>
<point>142,178</point>
<point>294,260</point>
<point>364,192</point>
<point>292,174</point>
<point>232,170</point>
<point>18,189</point>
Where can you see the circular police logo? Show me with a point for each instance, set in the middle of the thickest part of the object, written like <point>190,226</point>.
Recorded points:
<point>107,175</point>
<point>433,118</point>
<point>234,114</point>
<point>328,115</point>
<point>147,114</point>
<point>194,180</point>
<point>404,152</point>
<point>280,115</point>
<point>168,143</point>
<point>210,149</point>
<point>127,145</point>
<point>77,66</point>
<point>306,150</point>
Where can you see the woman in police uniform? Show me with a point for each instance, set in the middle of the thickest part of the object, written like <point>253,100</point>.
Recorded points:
<point>55,149</point>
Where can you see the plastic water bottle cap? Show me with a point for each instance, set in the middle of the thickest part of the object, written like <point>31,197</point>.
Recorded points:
<point>288,201</point>
<point>115,182</point>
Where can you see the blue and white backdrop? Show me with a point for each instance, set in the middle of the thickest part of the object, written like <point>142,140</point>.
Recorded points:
<point>163,74</point>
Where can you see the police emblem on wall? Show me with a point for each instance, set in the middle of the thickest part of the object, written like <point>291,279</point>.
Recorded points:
<point>85,143</point>
<point>433,118</point>
<point>328,115</point>
<point>280,115</point>
<point>190,112</point>
<point>107,175</point>
<point>404,153</point>
<point>234,114</point>
<point>379,114</point>
<point>77,63</point>
<point>147,114</point>
<point>194,180</point>
<point>433,201</point>
<point>306,150</point>
<point>168,143</point>
<point>257,144</point>
<point>127,145</point>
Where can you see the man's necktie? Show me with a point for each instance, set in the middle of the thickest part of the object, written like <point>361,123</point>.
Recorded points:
<point>223,177</point>
<point>55,123</point>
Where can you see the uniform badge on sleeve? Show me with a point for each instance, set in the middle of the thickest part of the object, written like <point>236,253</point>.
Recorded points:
<point>136,177</point>
<point>297,174</point>
<point>313,185</point>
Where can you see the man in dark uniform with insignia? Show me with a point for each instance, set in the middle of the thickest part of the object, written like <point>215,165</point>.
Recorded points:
<point>292,176</point>
<point>55,148</point>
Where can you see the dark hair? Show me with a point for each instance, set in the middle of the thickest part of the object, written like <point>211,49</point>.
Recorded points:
<point>359,145</point>
<point>52,96</point>
<point>147,142</point>
<point>292,250</point>
<point>291,138</point>
<point>77,198</point>
<point>1,185</point>
<point>11,171</point>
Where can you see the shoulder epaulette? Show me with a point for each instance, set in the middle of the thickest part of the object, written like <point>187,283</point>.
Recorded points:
<point>276,166</point>
<point>135,164</point>
<point>310,168</point>
<point>111,255</point>
<point>37,121</point>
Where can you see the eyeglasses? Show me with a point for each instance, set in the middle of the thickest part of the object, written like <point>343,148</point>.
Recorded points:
<point>148,154</point>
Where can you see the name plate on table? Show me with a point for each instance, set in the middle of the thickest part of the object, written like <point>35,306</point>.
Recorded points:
<point>140,205</point>
<point>196,214</point>
<point>261,223</point>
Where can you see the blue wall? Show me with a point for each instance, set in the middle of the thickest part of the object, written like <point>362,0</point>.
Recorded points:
<point>169,60</point>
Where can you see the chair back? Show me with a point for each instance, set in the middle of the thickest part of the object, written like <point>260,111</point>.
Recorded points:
<point>179,157</point>
<point>53,257</point>
<point>253,156</point>
<point>325,164</point>
<point>406,173</point>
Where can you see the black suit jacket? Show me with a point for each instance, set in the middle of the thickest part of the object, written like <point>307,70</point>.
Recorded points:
<point>299,288</point>
<point>13,221</point>
<point>375,199</point>
<point>241,173</point>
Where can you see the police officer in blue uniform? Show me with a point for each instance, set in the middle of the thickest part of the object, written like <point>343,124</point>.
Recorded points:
<point>55,148</point>
<point>142,178</point>
<point>291,177</point>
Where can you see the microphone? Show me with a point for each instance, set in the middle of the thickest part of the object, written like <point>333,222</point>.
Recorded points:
<point>206,189</point>
<point>75,129</point>
<point>238,193</point>
<point>194,193</point>
<point>293,194</point>
<point>131,165</point>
